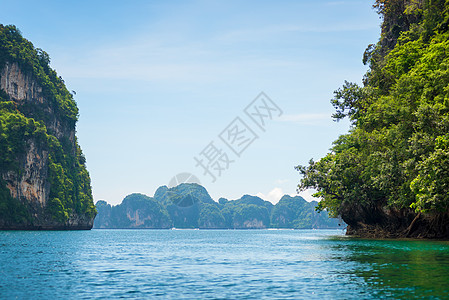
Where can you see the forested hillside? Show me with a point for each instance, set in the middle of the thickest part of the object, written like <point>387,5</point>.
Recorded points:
<point>44,183</point>
<point>190,206</point>
<point>389,175</point>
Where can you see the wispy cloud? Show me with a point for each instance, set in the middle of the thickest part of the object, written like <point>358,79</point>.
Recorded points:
<point>270,32</point>
<point>281,181</point>
<point>161,61</point>
<point>336,3</point>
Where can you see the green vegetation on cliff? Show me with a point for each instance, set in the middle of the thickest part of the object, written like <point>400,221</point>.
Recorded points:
<point>135,211</point>
<point>190,206</point>
<point>38,117</point>
<point>15,48</point>
<point>390,173</point>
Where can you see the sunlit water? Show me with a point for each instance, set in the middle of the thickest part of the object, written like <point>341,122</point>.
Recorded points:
<point>218,264</point>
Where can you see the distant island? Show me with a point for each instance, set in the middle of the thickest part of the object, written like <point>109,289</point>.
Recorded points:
<point>189,205</point>
<point>389,176</point>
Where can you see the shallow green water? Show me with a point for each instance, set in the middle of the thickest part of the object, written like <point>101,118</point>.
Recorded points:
<point>222,264</point>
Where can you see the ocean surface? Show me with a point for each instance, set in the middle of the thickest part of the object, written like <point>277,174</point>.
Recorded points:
<point>218,264</point>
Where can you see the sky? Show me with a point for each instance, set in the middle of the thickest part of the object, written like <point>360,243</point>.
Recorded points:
<point>163,84</point>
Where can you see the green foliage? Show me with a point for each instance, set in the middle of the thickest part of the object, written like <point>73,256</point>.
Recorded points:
<point>184,204</point>
<point>347,101</point>
<point>15,131</point>
<point>24,124</point>
<point>210,216</point>
<point>295,212</point>
<point>431,186</point>
<point>143,212</point>
<point>70,191</point>
<point>250,213</point>
<point>246,212</point>
<point>11,210</point>
<point>15,48</point>
<point>395,156</point>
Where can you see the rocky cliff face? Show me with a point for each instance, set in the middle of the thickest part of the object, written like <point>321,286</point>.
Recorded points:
<point>136,211</point>
<point>43,180</point>
<point>189,205</point>
<point>30,184</point>
<point>23,88</point>
<point>20,86</point>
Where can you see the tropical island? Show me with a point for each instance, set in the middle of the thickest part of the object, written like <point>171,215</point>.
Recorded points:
<point>189,205</point>
<point>44,183</point>
<point>389,175</point>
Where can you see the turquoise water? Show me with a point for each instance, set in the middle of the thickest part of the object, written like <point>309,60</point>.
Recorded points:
<point>218,264</point>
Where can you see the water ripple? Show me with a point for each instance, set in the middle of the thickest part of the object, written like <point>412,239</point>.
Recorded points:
<point>229,264</point>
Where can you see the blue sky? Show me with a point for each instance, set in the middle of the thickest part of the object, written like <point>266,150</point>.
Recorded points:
<point>157,81</point>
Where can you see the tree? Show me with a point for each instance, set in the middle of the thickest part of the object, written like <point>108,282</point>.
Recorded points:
<point>393,162</point>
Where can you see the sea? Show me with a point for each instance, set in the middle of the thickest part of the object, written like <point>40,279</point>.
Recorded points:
<point>218,264</point>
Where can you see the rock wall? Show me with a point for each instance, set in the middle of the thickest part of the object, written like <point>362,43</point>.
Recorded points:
<point>29,183</point>
<point>20,86</point>
<point>24,90</point>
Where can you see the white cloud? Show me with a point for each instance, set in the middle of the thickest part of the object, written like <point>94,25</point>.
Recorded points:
<point>277,193</point>
<point>307,195</point>
<point>273,196</point>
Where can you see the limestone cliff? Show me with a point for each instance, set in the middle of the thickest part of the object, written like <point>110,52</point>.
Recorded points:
<point>136,211</point>
<point>44,183</point>
<point>189,205</point>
